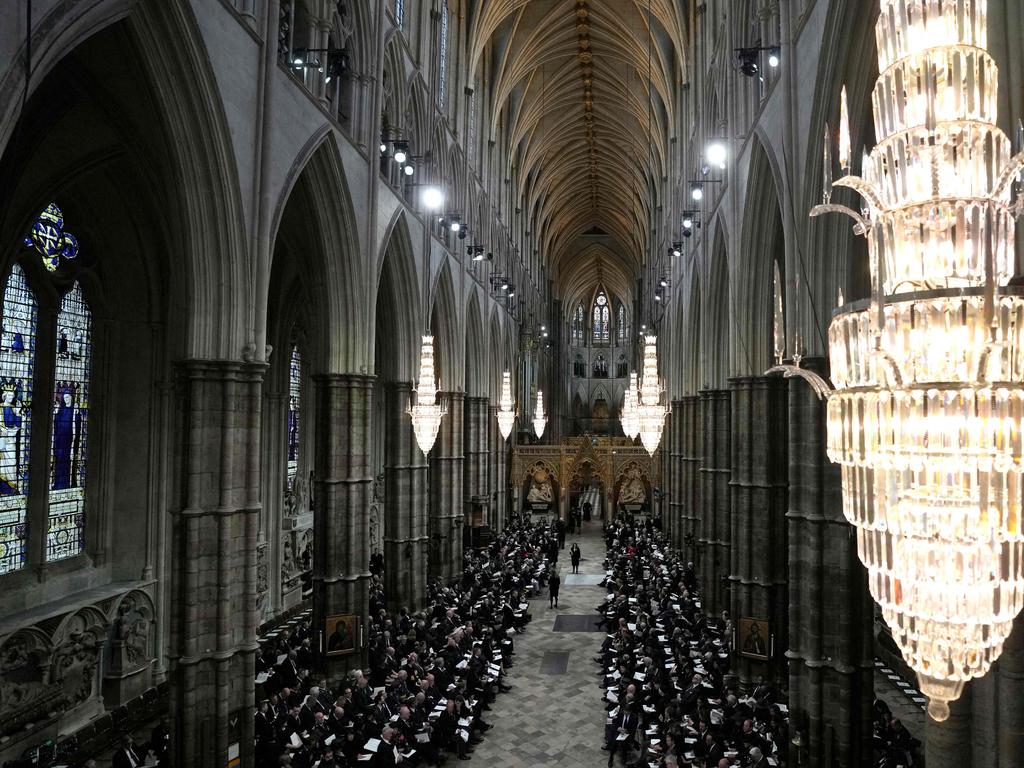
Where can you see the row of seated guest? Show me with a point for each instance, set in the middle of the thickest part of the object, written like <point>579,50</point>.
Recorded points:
<point>431,675</point>
<point>670,699</point>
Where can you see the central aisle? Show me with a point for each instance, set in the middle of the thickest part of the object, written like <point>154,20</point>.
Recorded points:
<point>554,715</point>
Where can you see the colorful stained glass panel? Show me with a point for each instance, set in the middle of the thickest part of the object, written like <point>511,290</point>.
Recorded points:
<point>17,362</point>
<point>48,237</point>
<point>64,537</point>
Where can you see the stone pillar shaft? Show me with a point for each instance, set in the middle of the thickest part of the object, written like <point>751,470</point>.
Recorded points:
<point>714,406</point>
<point>690,459</point>
<point>213,589</point>
<point>343,493</point>
<point>475,474</point>
<point>405,502</point>
<point>830,613</point>
<point>446,493</point>
<point>674,480</point>
<point>758,570</point>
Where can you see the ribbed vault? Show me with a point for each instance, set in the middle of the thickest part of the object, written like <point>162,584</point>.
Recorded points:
<point>588,145</point>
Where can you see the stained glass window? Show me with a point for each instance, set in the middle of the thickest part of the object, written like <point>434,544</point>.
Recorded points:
<point>48,237</point>
<point>578,324</point>
<point>399,13</point>
<point>602,320</point>
<point>17,363</point>
<point>621,323</point>
<point>66,525</point>
<point>294,411</point>
<point>442,74</point>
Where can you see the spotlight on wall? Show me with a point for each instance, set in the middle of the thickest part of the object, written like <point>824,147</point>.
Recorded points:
<point>676,250</point>
<point>401,152</point>
<point>433,199</point>
<point>511,291</point>
<point>383,148</point>
<point>774,57</point>
<point>696,192</point>
<point>337,63</point>
<point>747,59</point>
<point>408,170</point>
<point>455,225</point>
<point>716,154</point>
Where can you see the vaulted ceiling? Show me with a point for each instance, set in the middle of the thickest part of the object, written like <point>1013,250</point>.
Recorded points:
<point>589,141</point>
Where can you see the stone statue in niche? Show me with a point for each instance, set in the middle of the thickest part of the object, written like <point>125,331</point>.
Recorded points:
<point>541,490</point>
<point>375,537</point>
<point>131,634</point>
<point>289,566</point>
<point>633,491</point>
<point>262,580</point>
<point>300,497</point>
<point>23,694</point>
<point>74,665</point>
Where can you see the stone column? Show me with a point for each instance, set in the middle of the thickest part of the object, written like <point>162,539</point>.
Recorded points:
<point>475,472</point>
<point>758,571</point>
<point>672,480</point>
<point>446,493</point>
<point>715,506</point>
<point>830,654</point>
<point>496,485</point>
<point>342,496</point>
<point>215,525</point>
<point>405,501</point>
<point>690,458</point>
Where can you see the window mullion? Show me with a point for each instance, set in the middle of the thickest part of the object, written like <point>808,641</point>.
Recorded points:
<point>42,424</point>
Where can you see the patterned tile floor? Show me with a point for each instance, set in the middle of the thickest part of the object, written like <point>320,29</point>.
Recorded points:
<point>553,719</point>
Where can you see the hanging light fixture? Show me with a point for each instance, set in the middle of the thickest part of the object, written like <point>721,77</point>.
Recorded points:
<point>650,411</point>
<point>539,421</point>
<point>426,413</point>
<point>925,419</point>
<point>506,408</point>
<point>630,418</point>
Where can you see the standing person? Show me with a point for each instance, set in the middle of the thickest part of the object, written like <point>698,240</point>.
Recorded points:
<point>574,555</point>
<point>554,582</point>
<point>560,531</point>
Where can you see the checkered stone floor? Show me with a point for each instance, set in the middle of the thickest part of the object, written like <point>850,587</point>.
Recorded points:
<point>553,719</point>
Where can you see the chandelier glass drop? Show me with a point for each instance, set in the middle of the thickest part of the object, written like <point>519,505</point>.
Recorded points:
<point>539,421</point>
<point>506,408</point>
<point>650,411</point>
<point>426,413</point>
<point>926,416</point>
<point>630,418</point>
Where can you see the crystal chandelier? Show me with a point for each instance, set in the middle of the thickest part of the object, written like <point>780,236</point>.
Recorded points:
<point>926,415</point>
<point>650,411</point>
<point>630,418</point>
<point>539,421</point>
<point>506,408</point>
<point>426,413</point>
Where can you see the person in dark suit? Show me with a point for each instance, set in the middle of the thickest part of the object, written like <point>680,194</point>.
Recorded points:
<point>126,756</point>
<point>575,555</point>
<point>554,583</point>
<point>160,741</point>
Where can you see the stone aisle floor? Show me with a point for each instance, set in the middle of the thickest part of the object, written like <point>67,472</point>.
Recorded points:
<point>551,717</point>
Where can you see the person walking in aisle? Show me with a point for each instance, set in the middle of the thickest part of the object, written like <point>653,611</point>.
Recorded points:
<point>574,555</point>
<point>554,582</point>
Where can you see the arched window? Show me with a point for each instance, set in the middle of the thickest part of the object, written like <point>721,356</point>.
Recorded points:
<point>602,320</point>
<point>578,325</point>
<point>442,67</point>
<point>17,366</point>
<point>294,416</point>
<point>620,324</point>
<point>399,13</point>
<point>70,432</point>
<point>63,508</point>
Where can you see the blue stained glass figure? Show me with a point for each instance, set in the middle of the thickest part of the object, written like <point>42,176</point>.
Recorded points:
<point>48,237</point>
<point>601,318</point>
<point>17,363</point>
<point>70,427</point>
<point>294,413</point>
